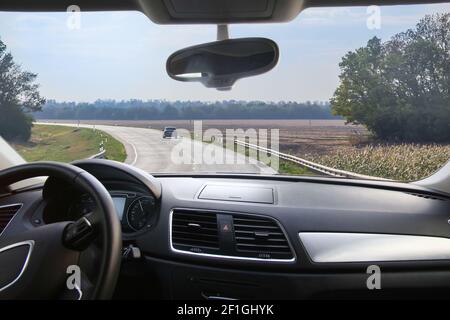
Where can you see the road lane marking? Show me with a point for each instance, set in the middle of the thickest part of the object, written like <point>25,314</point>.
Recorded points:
<point>135,153</point>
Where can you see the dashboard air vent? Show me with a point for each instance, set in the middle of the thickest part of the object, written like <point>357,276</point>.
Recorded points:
<point>6,215</point>
<point>427,196</point>
<point>195,231</point>
<point>260,237</point>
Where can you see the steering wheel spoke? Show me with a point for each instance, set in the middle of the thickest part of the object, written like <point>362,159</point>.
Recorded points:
<point>43,258</point>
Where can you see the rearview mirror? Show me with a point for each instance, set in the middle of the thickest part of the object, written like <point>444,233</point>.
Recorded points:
<point>220,64</point>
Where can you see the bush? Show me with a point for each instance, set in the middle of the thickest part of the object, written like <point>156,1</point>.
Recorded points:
<point>15,125</point>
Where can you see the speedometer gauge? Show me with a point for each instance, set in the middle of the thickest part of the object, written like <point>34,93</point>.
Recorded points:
<point>140,213</point>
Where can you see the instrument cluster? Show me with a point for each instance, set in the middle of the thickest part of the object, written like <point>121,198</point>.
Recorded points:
<point>136,211</point>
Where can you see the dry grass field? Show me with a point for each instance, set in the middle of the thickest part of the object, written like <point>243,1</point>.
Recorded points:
<point>331,143</point>
<point>298,137</point>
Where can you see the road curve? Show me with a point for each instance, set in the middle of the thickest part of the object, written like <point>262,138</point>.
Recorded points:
<point>147,150</point>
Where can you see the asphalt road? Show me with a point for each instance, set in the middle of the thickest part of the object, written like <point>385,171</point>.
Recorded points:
<point>147,150</point>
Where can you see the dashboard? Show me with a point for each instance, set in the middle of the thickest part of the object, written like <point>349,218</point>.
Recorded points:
<point>269,237</point>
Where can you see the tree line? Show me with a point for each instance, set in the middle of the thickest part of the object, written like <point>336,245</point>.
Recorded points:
<point>168,110</point>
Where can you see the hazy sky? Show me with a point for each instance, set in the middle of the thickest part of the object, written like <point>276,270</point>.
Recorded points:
<point>122,55</point>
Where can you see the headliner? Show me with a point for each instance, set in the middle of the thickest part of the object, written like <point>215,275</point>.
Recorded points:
<point>201,11</point>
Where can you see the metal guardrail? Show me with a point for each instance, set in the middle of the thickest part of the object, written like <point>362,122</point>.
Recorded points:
<point>318,168</point>
<point>100,155</point>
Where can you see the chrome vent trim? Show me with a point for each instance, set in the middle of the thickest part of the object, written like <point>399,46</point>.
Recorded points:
<point>7,214</point>
<point>260,236</point>
<point>224,256</point>
<point>30,244</point>
<point>195,231</point>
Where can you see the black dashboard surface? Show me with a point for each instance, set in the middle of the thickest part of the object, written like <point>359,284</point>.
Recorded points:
<point>295,205</point>
<point>304,207</point>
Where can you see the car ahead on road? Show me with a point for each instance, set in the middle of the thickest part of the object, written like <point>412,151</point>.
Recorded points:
<point>170,132</point>
<point>101,229</point>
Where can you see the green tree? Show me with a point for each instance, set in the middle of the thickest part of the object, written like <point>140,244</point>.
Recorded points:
<point>400,89</point>
<point>19,96</point>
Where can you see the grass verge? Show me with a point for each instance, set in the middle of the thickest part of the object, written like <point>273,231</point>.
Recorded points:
<point>287,167</point>
<point>284,167</point>
<point>66,144</point>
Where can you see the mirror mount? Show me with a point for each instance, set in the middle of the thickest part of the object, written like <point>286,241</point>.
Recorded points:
<point>222,32</point>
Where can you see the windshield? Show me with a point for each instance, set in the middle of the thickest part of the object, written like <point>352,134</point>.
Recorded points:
<point>359,92</point>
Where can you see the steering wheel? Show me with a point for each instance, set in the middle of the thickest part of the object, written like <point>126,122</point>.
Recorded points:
<point>37,263</point>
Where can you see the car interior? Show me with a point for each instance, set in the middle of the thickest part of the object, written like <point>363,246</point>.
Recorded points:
<point>216,236</point>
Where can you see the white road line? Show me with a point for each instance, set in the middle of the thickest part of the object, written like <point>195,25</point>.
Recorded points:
<point>135,153</point>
